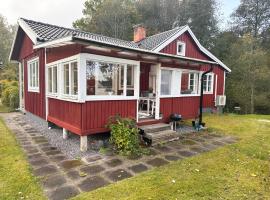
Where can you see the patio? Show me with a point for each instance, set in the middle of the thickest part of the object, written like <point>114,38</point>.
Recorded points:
<point>94,170</point>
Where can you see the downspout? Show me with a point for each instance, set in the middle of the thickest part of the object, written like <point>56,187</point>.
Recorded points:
<point>201,95</point>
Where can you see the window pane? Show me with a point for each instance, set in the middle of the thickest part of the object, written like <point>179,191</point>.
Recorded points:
<point>30,75</point>
<point>66,78</point>
<point>74,78</point>
<point>90,77</point>
<point>209,88</point>
<point>130,80</point>
<point>205,83</point>
<point>166,78</point>
<point>50,79</point>
<point>33,74</point>
<point>37,75</point>
<point>189,83</point>
<point>54,87</point>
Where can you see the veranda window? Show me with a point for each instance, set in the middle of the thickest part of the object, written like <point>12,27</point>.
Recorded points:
<point>52,79</point>
<point>208,83</point>
<point>70,78</point>
<point>166,80</point>
<point>109,79</point>
<point>33,75</point>
<point>190,83</point>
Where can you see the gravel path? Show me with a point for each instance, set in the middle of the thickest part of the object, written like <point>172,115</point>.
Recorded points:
<point>71,146</point>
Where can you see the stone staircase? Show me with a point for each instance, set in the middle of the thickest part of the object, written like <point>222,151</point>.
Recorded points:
<point>159,133</point>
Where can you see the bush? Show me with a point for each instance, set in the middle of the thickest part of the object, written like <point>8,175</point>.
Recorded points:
<point>125,136</point>
<point>6,83</point>
<point>10,97</point>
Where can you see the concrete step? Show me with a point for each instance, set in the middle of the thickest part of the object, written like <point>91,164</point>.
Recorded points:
<point>162,136</point>
<point>155,127</point>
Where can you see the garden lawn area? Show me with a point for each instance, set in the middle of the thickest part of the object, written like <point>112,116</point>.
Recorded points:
<point>237,171</point>
<point>16,179</point>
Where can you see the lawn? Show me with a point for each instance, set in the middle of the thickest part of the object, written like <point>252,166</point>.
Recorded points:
<point>238,171</point>
<point>16,179</point>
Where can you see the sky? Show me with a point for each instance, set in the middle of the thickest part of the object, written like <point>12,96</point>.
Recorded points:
<point>64,12</point>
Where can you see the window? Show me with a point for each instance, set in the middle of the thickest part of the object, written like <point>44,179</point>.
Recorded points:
<point>70,78</point>
<point>190,83</point>
<point>52,79</point>
<point>208,83</point>
<point>109,79</point>
<point>166,79</point>
<point>181,48</point>
<point>33,75</point>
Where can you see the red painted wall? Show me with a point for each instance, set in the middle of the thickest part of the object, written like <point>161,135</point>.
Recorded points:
<point>34,101</point>
<point>144,76</point>
<point>62,52</point>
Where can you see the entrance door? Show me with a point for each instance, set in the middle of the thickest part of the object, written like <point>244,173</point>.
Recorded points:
<point>148,103</point>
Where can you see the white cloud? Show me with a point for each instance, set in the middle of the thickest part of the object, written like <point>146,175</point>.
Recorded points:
<point>58,12</point>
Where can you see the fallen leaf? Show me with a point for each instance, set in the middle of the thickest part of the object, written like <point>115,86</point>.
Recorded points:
<point>254,175</point>
<point>197,170</point>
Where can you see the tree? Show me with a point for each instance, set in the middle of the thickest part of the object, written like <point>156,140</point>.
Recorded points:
<point>252,16</point>
<point>200,15</point>
<point>250,73</point>
<point>113,18</point>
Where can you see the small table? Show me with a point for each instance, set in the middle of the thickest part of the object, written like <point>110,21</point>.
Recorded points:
<point>148,100</point>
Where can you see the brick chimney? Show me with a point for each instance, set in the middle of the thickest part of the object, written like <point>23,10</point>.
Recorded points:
<point>139,32</point>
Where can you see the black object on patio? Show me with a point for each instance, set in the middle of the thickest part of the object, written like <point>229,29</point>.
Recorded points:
<point>174,119</point>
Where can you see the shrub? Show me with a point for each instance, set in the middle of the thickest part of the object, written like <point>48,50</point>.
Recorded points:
<point>125,136</point>
<point>6,83</point>
<point>10,97</point>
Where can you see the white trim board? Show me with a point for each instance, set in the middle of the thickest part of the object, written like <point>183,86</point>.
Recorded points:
<point>183,30</point>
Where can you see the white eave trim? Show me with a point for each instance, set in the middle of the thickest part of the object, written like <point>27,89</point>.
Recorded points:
<point>30,33</point>
<point>186,28</point>
<point>54,42</point>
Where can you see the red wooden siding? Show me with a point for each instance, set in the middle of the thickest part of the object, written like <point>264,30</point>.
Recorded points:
<point>95,114</point>
<point>188,107</point>
<point>34,101</point>
<point>65,114</point>
<point>192,50</point>
<point>144,76</point>
<point>62,52</point>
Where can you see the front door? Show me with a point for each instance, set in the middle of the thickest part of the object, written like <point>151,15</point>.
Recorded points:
<point>148,103</point>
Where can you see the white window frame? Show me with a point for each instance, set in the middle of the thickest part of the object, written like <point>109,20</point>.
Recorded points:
<point>177,81</point>
<point>98,58</point>
<point>132,80</point>
<point>51,66</point>
<point>183,52</point>
<point>69,95</point>
<point>29,63</point>
<point>212,84</point>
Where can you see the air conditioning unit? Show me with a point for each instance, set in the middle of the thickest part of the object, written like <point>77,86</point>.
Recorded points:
<point>221,100</point>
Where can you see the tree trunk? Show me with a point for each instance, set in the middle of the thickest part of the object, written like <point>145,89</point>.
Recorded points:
<point>252,99</point>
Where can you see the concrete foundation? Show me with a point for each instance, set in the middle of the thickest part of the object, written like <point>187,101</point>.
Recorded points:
<point>65,134</point>
<point>83,143</point>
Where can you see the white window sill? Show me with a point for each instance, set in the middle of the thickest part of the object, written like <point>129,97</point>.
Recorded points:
<point>108,98</point>
<point>207,92</point>
<point>36,90</point>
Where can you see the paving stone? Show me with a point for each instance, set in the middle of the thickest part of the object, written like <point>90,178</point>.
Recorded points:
<point>32,151</point>
<point>188,142</point>
<point>29,147</point>
<point>69,164</point>
<point>138,168</point>
<point>114,162</point>
<point>198,139</point>
<point>198,149</point>
<point>58,158</point>
<point>75,175</point>
<point>218,143</point>
<point>34,156</point>
<point>91,170</point>
<point>53,152</point>
<point>40,141</point>
<point>48,148</point>
<point>92,183</point>
<point>54,181</point>
<point>176,145</point>
<point>156,162</point>
<point>46,144</point>
<point>93,158</point>
<point>39,162</point>
<point>209,146</point>
<point>186,153</point>
<point>152,152</point>
<point>25,143</point>
<point>172,157</point>
<point>163,148</point>
<point>118,175</point>
<point>228,140</point>
<point>45,170</point>
<point>65,192</point>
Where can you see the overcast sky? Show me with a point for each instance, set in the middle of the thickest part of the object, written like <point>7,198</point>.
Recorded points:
<point>64,12</point>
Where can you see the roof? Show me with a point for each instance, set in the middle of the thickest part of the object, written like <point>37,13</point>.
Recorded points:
<point>154,41</point>
<point>43,34</point>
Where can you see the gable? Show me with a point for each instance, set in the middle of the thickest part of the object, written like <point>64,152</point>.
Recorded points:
<point>192,49</point>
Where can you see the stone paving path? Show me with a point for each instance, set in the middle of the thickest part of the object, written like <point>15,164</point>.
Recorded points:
<point>63,178</point>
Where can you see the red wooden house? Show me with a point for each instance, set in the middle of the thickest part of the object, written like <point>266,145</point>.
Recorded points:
<point>77,79</point>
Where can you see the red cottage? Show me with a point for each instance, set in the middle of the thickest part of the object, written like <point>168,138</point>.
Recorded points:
<point>77,79</point>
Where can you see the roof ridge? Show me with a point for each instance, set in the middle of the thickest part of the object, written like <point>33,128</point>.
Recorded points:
<point>72,29</point>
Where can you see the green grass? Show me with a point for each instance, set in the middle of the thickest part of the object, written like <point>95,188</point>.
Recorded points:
<point>4,109</point>
<point>237,171</point>
<point>16,179</point>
